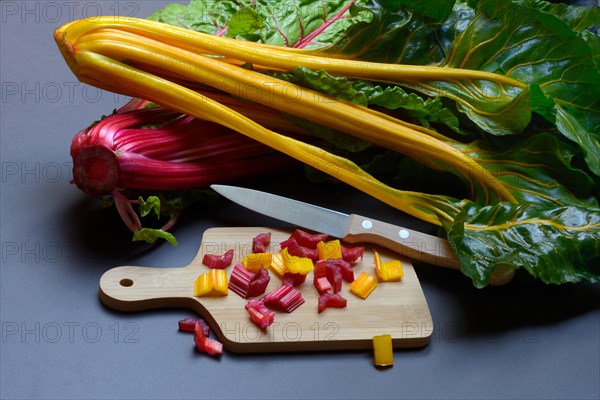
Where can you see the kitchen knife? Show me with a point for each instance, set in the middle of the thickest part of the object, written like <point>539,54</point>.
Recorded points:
<point>350,228</point>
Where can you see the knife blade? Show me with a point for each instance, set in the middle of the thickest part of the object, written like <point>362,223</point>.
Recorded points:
<point>351,228</point>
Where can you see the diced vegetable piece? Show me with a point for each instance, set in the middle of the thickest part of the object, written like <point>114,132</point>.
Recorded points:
<point>293,279</point>
<point>284,298</point>
<point>363,285</point>
<point>254,261</point>
<point>210,346</point>
<point>259,283</point>
<point>322,284</point>
<point>239,281</point>
<point>260,314</point>
<point>204,326</point>
<point>213,283</point>
<point>218,261</point>
<point>248,284</point>
<point>202,285</point>
<point>378,265</point>
<point>352,254</point>
<point>393,270</point>
<point>190,325</point>
<point>320,269</point>
<point>330,249</point>
<point>389,270</point>
<point>343,266</point>
<point>308,240</point>
<point>278,265</point>
<point>327,300</point>
<point>295,264</point>
<point>219,279</point>
<point>206,344</point>
<point>296,249</point>
<point>334,275</point>
<point>335,270</point>
<point>261,242</point>
<point>383,352</point>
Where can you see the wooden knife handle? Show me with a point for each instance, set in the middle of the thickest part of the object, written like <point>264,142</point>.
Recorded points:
<point>415,245</point>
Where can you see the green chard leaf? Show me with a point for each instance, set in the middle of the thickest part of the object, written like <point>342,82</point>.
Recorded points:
<point>364,93</point>
<point>245,21</point>
<point>150,235</point>
<point>168,206</point>
<point>395,32</point>
<point>206,16</point>
<point>538,170</point>
<point>537,48</point>
<point>302,24</point>
<point>593,42</point>
<point>425,110</point>
<point>578,18</point>
<point>151,204</point>
<point>411,33</point>
<point>554,244</point>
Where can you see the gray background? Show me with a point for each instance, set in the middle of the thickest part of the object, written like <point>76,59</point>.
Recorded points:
<point>523,341</point>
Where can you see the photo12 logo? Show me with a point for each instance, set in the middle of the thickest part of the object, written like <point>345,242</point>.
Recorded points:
<point>55,12</point>
<point>36,172</point>
<point>68,92</point>
<point>37,252</point>
<point>68,332</point>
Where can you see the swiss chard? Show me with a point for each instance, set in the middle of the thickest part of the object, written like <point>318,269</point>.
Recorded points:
<point>504,94</point>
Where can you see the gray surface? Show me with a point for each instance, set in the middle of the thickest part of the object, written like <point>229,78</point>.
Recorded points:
<point>524,341</point>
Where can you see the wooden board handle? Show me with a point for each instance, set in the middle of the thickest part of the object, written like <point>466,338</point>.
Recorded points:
<point>139,288</point>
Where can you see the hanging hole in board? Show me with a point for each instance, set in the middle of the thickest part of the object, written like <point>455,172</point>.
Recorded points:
<point>126,282</point>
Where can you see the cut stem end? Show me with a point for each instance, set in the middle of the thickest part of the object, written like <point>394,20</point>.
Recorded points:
<point>96,170</point>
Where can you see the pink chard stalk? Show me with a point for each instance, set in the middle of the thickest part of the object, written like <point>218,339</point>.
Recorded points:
<point>141,149</point>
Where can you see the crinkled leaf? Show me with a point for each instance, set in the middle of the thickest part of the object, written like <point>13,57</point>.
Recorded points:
<point>396,32</point>
<point>168,206</point>
<point>244,22</point>
<point>151,204</point>
<point>578,18</point>
<point>536,47</point>
<point>364,93</point>
<point>335,86</point>
<point>583,129</point>
<point>150,235</point>
<point>538,169</point>
<point>593,42</point>
<point>458,20</point>
<point>206,16</point>
<point>554,244</point>
<point>305,24</point>
<point>426,110</point>
<point>405,33</point>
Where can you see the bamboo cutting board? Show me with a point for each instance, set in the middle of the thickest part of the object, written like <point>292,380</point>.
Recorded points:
<point>395,308</point>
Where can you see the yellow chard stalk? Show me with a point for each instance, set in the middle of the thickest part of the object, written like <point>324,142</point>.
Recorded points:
<point>154,61</point>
